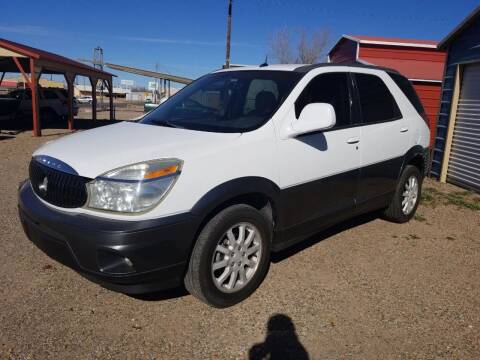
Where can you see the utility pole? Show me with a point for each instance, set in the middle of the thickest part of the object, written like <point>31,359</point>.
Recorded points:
<point>156,85</point>
<point>229,33</point>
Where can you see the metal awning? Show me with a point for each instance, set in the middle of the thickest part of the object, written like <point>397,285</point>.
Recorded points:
<point>32,63</point>
<point>148,73</point>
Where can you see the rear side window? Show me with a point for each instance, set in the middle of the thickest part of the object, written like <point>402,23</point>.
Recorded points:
<point>406,86</point>
<point>376,101</point>
<point>331,88</point>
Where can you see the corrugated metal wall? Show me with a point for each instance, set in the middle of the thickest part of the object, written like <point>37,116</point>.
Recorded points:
<point>464,49</point>
<point>464,162</point>
<point>370,52</point>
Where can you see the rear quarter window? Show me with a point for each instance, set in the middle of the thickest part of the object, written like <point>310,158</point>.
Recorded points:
<point>377,103</point>
<point>406,86</point>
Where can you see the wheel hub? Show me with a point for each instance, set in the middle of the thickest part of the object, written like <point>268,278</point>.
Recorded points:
<point>236,257</point>
<point>410,195</point>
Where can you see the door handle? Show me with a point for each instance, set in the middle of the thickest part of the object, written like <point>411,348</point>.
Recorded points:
<point>353,140</point>
<point>404,129</point>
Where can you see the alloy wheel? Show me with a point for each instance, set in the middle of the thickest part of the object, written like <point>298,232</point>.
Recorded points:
<point>236,257</point>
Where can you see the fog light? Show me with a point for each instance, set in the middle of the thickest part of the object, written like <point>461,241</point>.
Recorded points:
<point>112,263</point>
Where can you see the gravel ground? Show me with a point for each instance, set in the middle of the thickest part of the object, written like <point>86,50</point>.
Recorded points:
<point>366,290</point>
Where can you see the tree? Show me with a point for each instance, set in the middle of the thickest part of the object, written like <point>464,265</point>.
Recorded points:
<point>308,49</point>
<point>280,46</point>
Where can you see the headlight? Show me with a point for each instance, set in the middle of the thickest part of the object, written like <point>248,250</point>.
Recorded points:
<point>134,188</point>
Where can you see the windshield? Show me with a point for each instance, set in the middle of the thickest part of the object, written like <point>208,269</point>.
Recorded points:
<point>231,101</point>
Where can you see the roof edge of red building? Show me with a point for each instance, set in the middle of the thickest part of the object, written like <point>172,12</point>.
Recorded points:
<point>390,41</point>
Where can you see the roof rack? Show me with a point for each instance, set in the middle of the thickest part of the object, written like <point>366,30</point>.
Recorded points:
<point>307,68</point>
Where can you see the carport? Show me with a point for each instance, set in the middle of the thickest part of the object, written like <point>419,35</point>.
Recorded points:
<point>19,58</point>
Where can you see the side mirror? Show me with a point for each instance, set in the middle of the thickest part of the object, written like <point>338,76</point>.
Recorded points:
<point>314,117</point>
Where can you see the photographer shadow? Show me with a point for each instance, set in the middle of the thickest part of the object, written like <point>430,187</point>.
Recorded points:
<point>281,341</point>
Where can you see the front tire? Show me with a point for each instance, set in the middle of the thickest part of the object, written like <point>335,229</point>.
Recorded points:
<point>231,257</point>
<point>407,196</point>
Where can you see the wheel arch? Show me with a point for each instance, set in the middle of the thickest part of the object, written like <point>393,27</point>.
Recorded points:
<point>416,156</point>
<point>258,192</point>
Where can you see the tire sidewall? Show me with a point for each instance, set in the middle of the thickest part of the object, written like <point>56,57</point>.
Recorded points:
<point>210,237</point>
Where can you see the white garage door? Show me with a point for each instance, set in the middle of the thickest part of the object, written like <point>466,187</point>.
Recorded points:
<point>464,164</point>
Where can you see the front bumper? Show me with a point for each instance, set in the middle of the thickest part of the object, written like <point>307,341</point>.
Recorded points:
<point>126,256</point>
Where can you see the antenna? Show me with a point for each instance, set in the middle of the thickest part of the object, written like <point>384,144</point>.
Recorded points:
<point>266,62</point>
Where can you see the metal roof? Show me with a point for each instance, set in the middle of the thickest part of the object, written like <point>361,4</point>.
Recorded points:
<point>460,27</point>
<point>39,54</point>
<point>148,73</point>
<point>379,40</point>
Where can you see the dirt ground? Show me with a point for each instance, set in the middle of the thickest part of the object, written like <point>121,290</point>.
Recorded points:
<point>368,289</point>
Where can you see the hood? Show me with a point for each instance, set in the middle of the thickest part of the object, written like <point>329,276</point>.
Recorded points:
<point>94,152</point>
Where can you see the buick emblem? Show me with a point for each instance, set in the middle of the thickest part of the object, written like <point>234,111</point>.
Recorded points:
<point>43,186</point>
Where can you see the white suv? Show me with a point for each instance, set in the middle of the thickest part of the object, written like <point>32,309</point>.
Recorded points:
<point>240,163</point>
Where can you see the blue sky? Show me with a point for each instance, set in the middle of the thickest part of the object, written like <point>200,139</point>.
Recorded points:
<point>187,37</point>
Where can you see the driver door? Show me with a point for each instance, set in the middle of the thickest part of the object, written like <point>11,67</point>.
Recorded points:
<point>320,171</point>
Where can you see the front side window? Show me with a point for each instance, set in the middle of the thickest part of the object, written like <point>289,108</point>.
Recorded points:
<point>376,101</point>
<point>231,101</point>
<point>330,88</point>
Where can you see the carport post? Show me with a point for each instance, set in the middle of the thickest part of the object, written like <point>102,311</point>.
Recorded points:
<point>93,83</point>
<point>37,131</point>
<point>70,78</point>
<point>110,93</point>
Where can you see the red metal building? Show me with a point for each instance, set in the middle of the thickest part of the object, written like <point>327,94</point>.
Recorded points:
<point>419,60</point>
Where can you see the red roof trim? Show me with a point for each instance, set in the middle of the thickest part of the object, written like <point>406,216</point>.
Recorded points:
<point>378,39</point>
<point>42,54</point>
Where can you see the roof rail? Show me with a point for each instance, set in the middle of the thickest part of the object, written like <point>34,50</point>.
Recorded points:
<point>307,68</point>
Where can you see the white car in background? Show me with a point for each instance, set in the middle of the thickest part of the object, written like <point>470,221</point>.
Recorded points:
<point>85,100</point>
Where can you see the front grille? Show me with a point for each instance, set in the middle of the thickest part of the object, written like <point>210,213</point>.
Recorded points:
<point>57,187</point>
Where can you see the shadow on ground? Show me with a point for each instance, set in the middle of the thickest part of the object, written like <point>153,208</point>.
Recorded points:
<point>334,230</point>
<point>281,341</point>
<point>162,295</point>
<point>276,257</point>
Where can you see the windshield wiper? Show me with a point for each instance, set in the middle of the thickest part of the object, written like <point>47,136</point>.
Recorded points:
<point>165,123</point>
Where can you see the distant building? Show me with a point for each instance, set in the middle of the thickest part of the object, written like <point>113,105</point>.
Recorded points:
<point>418,60</point>
<point>10,84</point>
<point>86,90</point>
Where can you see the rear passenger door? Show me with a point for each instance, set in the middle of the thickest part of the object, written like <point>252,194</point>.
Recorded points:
<point>384,138</point>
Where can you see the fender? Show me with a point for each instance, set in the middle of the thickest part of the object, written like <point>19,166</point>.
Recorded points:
<point>415,151</point>
<point>235,188</point>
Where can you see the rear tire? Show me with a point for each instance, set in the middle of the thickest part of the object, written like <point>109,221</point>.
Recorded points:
<point>224,251</point>
<point>407,196</point>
